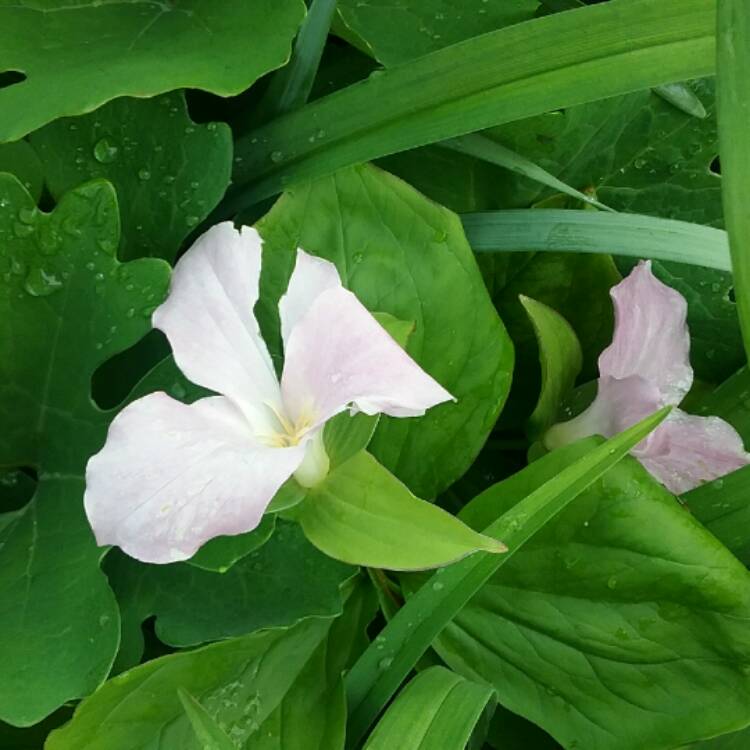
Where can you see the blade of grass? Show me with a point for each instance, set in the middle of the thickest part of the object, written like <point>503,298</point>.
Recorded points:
<point>379,671</point>
<point>556,61</point>
<point>291,85</point>
<point>486,149</point>
<point>560,230</point>
<point>733,94</point>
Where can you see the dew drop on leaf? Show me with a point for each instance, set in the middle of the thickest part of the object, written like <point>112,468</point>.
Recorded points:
<point>105,151</point>
<point>41,283</point>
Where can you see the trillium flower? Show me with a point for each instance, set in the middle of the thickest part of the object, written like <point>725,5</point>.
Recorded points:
<point>172,476</point>
<point>645,368</point>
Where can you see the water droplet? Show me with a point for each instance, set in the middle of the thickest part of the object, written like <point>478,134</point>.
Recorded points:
<point>130,312</point>
<point>105,151</point>
<point>23,230</point>
<point>169,179</point>
<point>191,220</point>
<point>358,257</point>
<point>385,663</point>
<point>28,215</point>
<point>438,586</point>
<point>639,163</point>
<point>144,174</point>
<point>612,583</point>
<point>276,156</point>
<point>41,283</point>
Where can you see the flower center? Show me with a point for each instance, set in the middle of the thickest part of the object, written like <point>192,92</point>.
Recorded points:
<point>288,433</point>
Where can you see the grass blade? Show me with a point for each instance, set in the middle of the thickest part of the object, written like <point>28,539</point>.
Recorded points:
<point>733,95</point>
<point>635,235</point>
<point>376,675</point>
<point>481,147</point>
<point>556,61</point>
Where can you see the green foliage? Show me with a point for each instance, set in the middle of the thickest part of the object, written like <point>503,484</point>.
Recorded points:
<point>560,359</point>
<point>618,624</point>
<point>20,159</point>
<point>403,255</point>
<point>436,709</point>
<point>168,171</point>
<point>67,305</point>
<point>283,581</point>
<point>361,514</point>
<point>136,48</point>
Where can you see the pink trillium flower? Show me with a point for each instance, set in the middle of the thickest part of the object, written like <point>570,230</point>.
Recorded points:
<point>645,368</point>
<point>172,476</point>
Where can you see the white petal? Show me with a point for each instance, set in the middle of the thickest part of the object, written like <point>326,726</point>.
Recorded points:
<point>651,337</point>
<point>311,277</point>
<point>208,319</point>
<point>171,476</point>
<point>686,451</point>
<point>338,355</point>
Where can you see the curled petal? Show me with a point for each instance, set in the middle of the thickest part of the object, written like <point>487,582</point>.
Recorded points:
<point>338,355</point>
<point>686,451</point>
<point>651,337</point>
<point>208,319</point>
<point>310,278</point>
<point>172,476</point>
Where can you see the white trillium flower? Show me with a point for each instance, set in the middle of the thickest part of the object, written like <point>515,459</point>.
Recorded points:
<point>647,367</point>
<point>172,476</point>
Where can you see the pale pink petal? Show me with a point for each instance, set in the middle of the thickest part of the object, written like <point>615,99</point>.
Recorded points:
<point>208,319</point>
<point>651,337</point>
<point>686,451</point>
<point>171,476</point>
<point>339,355</point>
<point>619,404</point>
<point>311,277</point>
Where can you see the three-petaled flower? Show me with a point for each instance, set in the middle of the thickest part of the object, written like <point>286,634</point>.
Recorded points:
<point>647,367</point>
<point>171,476</point>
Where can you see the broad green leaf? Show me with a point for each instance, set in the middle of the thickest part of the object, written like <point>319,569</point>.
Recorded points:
<point>66,305</point>
<point>437,709</point>
<point>733,741</point>
<point>361,514</point>
<point>208,733</point>
<point>169,171</point>
<point>278,584</point>
<point>560,359</point>
<point>220,553</point>
<point>566,230</point>
<point>137,48</point>
<point>402,254</point>
<point>395,33</point>
<point>733,99</point>
<point>376,675</point>
<point>268,690</point>
<point>622,624</point>
<point>20,159</point>
<point>505,75</point>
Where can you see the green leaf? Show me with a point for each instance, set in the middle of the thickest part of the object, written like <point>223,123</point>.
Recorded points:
<point>436,709</point>
<point>380,670</point>
<point>136,48</point>
<point>402,254</point>
<point>267,690</point>
<point>220,553</point>
<point>361,514</point>
<point>276,585</point>
<point>570,231</point>
<point>560,358</point>
<point>20,159</point>
<point>208,733</point>
<point>67,305</point>
<point>621,613</point>
<point>505,75</point>
<point>172,171</point>
<point>733,95</point>
<point>395,34</point>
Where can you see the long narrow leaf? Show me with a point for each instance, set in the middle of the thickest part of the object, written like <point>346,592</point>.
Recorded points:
<point>733,92</point>
<point>518,71</point>
<point>486,149</point>
<point>387,661</point>
<point>560,230</point>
